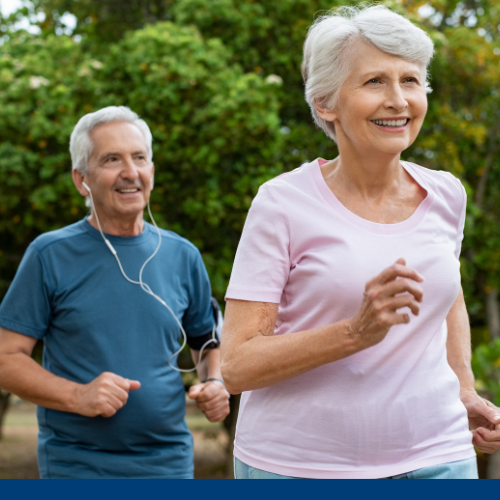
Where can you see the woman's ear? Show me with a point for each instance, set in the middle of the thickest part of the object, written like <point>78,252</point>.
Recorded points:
<point>329,115</point>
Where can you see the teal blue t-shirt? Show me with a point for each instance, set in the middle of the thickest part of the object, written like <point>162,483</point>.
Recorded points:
<point>70,292</point>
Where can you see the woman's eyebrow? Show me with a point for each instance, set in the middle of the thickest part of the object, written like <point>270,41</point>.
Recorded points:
<point>384,74</point>
<point>373,74</point>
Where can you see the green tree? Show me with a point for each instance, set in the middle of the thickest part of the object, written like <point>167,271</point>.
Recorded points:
<point>263,37</point>
<point>215,130</point>
<point>100,21</point>
<point>40,101</point>
<point>461,134</point>
<point>216,133</point>
<point>201,74</point>
<point>486,364</point>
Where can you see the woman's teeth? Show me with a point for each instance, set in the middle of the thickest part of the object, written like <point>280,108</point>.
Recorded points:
<point>391,123</point>
<point>128,190</point>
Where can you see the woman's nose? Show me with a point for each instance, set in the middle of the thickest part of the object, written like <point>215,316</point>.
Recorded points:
<point>395,98</point>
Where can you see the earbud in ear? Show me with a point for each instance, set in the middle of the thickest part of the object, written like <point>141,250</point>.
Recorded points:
<point>85,186</point>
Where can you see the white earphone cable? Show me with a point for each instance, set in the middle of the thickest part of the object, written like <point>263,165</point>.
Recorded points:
<point>148,290</point>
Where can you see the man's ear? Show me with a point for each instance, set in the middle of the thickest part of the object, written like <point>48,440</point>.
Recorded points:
<point>79,179</point>
<point>329,115</point>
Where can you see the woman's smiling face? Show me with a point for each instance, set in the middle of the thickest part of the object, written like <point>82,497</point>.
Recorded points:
<point>382,104</point>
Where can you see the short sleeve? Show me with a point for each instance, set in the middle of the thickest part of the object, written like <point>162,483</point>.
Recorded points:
<point>198,318</point>
<point>262,264</point>
<point>461,223</point>
<point>26,307</point>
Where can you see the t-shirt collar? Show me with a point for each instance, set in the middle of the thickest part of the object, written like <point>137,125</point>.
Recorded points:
<point>119,240</point>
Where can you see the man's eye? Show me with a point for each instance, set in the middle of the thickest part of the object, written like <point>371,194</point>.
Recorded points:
<point>373,80</point>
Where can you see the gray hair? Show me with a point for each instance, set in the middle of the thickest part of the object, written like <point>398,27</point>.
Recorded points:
<point>325,66</point>
<point>80,144</point>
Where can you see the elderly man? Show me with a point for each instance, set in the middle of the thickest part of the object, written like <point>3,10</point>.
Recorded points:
<point>110,402</point>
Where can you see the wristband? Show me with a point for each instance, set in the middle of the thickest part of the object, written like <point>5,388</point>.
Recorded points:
<point>214,380</point>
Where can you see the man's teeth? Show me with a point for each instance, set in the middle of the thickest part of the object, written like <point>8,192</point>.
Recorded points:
<point>391,123</point>
<point>128,190</point>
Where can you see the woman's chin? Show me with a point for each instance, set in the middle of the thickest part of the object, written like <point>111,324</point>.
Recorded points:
<point>372,146</point>
<point>390,147</point>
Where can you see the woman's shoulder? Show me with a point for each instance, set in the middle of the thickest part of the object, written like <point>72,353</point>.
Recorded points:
<point>440,182</point>
<point>287,184</point>
<point>291,177</point>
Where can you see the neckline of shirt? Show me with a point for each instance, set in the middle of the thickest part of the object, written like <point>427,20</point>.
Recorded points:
<point>118,240</point>
<point>374,227</point>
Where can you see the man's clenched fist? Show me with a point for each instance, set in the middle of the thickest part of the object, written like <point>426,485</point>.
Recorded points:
<point>212,399</point>
<point>104,396</point>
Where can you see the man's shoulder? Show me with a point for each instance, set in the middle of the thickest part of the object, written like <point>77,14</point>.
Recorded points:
<point>46,240</point>
<point>171,239</point>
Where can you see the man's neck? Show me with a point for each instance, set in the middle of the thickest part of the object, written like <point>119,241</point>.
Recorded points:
<point>132,226</point>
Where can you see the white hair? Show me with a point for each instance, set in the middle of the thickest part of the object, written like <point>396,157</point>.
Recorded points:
<point>325,66</point>
<point>80,144</point>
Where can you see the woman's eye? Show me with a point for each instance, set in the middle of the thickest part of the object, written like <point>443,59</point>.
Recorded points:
<point>373,80</point>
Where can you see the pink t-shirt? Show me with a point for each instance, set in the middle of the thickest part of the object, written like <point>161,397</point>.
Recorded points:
<point>391,408</point>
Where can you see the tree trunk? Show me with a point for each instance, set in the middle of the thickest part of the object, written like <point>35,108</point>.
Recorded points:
<point>493,468</point>
<point>4,403</point>
<point>492,306</point>
<point>483,178</point>
<point>492,314</point>
<point>230,425</point>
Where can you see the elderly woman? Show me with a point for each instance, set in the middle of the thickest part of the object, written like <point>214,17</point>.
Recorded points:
<point>346,328</point>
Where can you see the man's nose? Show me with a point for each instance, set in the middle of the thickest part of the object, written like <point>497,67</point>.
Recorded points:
<point>129,169</point>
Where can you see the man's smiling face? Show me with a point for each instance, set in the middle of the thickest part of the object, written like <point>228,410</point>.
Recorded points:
<point>120,173</point>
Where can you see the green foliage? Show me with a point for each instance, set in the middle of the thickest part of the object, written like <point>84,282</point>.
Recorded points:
<point>266,37</point>
<point>215,129</point>
<point>198,74</point>
<point>263,37</point>
<point>486,367</point>
<point>461,134</point>
<point>101,21</point>
<point>40,101</point>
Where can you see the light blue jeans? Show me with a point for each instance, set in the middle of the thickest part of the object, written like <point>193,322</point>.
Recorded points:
<point>461,469</point>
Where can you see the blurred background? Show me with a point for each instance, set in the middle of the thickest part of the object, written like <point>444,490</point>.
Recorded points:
<point>218,82</point>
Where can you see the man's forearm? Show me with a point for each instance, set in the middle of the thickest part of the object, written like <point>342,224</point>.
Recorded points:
<point>21,375</point>
<point>209,366</point>
<point>458,344</point>
<point>213,364</point>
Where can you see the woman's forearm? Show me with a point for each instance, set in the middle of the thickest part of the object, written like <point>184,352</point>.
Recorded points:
<point>254,358</point>
<point>458,344</point>
<point>266,360</point>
